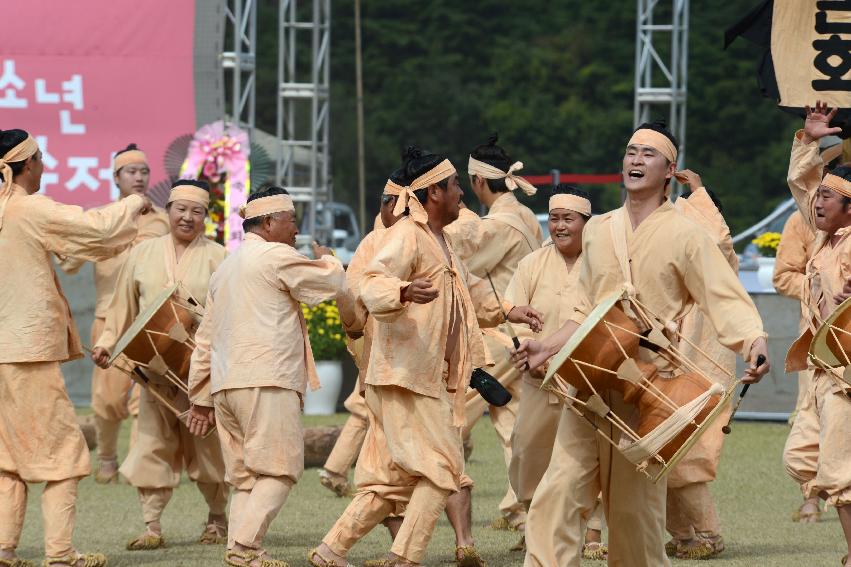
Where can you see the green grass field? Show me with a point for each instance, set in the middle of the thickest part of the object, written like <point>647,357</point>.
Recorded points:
<point>755,499</point>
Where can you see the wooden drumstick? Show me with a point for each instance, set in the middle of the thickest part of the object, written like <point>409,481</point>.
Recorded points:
<point>508,326</point>
<point>760,360</point>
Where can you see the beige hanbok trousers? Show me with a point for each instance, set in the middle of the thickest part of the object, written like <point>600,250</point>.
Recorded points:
<point>503,418</point>
<point>349,443</point>
<point>40,441</point>
<point>582,465</point>
<point>410,462</point>
<point>818,450</point>
<point>113,400</point>
<point>262,441</point>
<point>163,450</point>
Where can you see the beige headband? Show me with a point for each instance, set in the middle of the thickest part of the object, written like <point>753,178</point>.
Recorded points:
<point>19,153</point>
<point>482,169</point>
<point>573,203</point>
<point>408,200</point>
<point>391,188</point>
<point>128,157</point>
<point>836,183</point>
<point>657,141</point>
<point>190,193</point>
<point>265,206</point>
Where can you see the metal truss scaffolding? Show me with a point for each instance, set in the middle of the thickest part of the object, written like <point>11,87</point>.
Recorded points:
<point>239,63</point>
<point>304,43</point>
<point>661,66</point>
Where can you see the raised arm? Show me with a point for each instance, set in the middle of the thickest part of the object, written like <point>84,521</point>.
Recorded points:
<point>309,281</point>
<point>69,231</point>
<point>791,262</point>
<point>805,163</point>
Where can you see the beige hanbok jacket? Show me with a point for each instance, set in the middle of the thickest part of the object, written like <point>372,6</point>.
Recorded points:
<point>152,225</point>
<point>151,267</point>
<point>253,333</point>
<point>793,253</point>
<point>410,339</point>
<point>675,266</point>
<point>37,323</point>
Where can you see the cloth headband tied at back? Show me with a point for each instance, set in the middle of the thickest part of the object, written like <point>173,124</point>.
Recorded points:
<point>265,206</point>
<point>408,200</point>
<point>512,181</point>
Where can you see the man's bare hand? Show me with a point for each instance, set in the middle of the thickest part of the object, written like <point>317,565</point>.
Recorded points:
<point>200,420</point>
<point>526,315</point>
<point>817,123</point>
<point>420,291</point>
<point>532,353</point>
<point>753,373</point>
<point>319,250</point>
<point>690,178</point>
<point>100,357</point>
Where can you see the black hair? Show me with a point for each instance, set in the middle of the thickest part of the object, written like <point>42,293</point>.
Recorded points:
<point>416,162</point>
<point>496,156</point>
<point>715,199</point>
<point>565,189</point>
<point>249,224</point>
<point>129,148</point>
<point>843,171</point>
<point>8,140</point>
<point>195,183</point>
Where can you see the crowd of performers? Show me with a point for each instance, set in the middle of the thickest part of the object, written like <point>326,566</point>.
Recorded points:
<point>425,300</point>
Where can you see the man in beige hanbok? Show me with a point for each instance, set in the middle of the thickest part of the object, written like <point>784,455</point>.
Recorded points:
<point>165,447</point>
<point>253,347</point>
<point>112,401</point>
<point>818,451</point>
<point>40,440</point>
<point>495,244</point>
<point>653,251</point>
<point>426,344</point>
<point>360,330</point>
<point>546,279</point>
<point>692,519</point>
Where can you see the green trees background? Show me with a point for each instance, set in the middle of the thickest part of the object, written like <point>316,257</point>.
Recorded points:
<point>555,79</point>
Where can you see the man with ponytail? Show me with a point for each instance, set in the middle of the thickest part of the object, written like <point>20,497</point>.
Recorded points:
<point>38,333</point>
<point>428,308</point>
<point>495,245</point>
<point>111,387</point>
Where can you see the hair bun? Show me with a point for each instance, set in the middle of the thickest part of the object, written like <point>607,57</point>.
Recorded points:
<point>131,147</point>
<point>493,139</point>
<point>412,152</point>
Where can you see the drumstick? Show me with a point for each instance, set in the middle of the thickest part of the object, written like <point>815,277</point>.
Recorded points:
<point>760,360</point>
<point>511,333</point>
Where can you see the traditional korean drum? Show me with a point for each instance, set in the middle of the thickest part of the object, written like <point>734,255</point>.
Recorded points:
<point>156,350</point>
<point>830,348</point>
<point>673,407</point>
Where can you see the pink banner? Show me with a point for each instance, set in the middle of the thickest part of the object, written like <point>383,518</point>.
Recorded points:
<point>91,76</point>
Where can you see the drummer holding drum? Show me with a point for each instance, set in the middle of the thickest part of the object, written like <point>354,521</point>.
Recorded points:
<point>184,259</point>
<point>818,450</point>
<point>671,265</point>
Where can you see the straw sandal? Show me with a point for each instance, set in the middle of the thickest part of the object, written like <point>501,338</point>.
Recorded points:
<point>809,516</point>
<point>313,554</point>
<point>16,562</point>
<point>146,542</point>
<point>338,484</point>
<point>596,551</point>
<point>77,560</point>
<point>102,477</point>
<point>520,545</point>
<point>214,533</point>
<point>715,540</point>
<point>468,556</point>
<point>246,558</point>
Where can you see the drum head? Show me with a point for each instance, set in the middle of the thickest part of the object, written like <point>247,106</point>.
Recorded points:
<point>597,314</point>
<point>825,348</point>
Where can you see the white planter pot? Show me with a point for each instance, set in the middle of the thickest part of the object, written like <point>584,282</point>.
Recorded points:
<point>766,273</point>
<point>324,400</point>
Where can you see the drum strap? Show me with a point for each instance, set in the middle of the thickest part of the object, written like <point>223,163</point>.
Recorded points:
<point>514,222</point>
<point>619,243</point>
